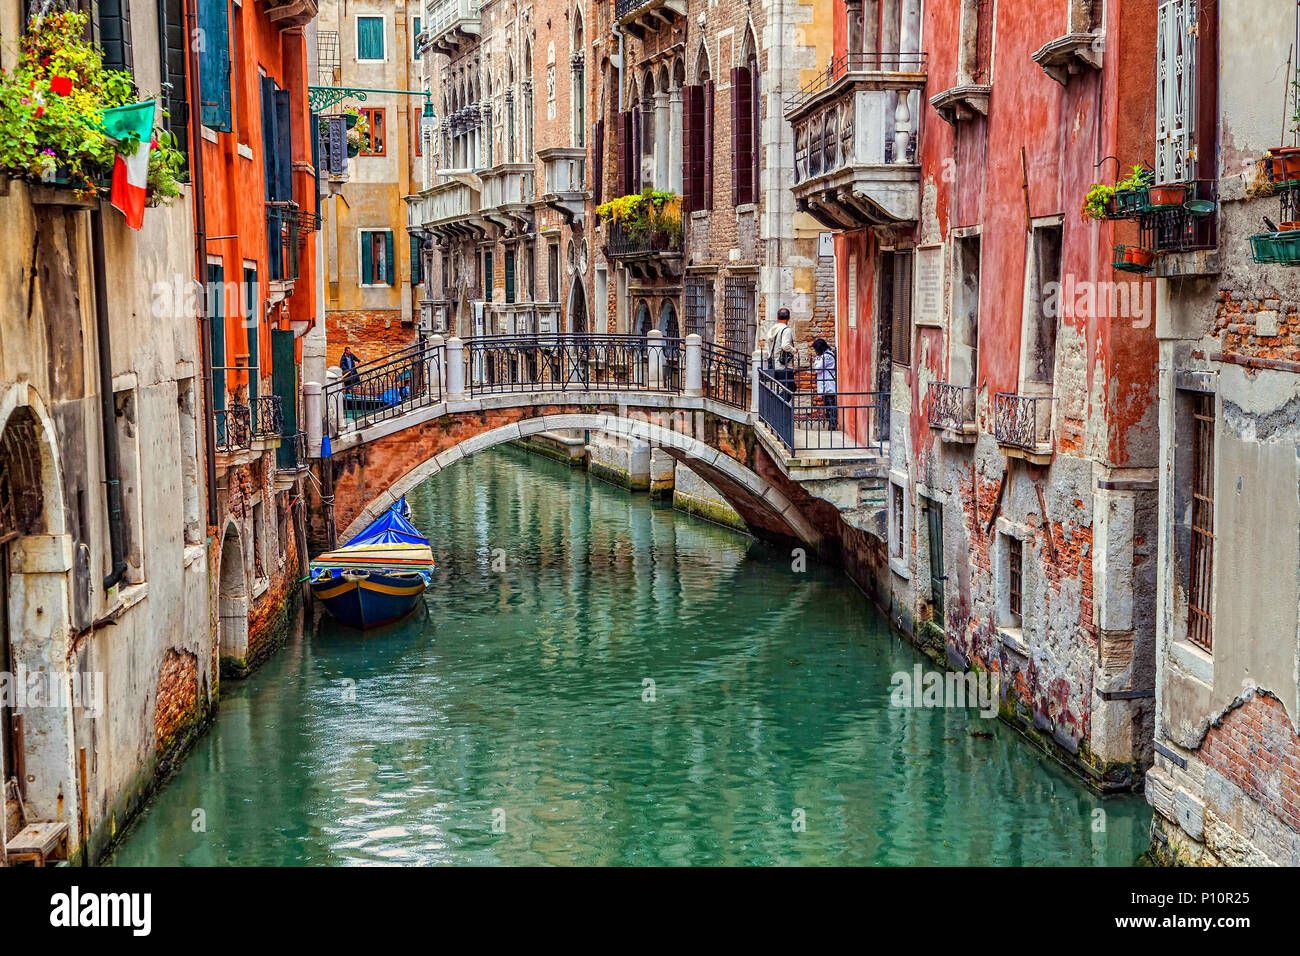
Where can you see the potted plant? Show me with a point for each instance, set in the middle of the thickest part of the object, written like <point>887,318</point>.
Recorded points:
<point>652,217</point>
<point>358,132</point>
<point>1133,259</point>
<point>1124,200</point>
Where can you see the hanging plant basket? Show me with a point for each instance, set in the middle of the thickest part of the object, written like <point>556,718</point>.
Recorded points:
<point>1278,248</point>
<point>1282,165</point>
<point>1128,203</point>
<point>1133,259</point>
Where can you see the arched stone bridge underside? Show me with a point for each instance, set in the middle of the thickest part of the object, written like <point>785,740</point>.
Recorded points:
<point>375,465</point>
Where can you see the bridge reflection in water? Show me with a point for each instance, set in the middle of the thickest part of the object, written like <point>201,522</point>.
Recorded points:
<point>521,700</point>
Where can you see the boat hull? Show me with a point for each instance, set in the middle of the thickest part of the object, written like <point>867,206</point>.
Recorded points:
<point>371,601</point>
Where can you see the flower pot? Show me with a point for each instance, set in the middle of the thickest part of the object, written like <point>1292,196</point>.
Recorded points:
<point>1280,248</point>
<point>353,150</point>
<point>1133,259</point>
<point>1166,196</point>
<point>350,119</point>
<point>1129,203</point>
<point>1282,165</point>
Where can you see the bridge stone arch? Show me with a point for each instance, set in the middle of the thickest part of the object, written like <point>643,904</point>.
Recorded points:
<point>370,476</point>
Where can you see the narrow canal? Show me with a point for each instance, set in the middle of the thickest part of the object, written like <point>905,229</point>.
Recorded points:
<point>520,703</point>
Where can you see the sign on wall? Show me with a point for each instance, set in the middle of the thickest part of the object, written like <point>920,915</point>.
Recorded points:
<point>826,244</point>
<point>928,300</point>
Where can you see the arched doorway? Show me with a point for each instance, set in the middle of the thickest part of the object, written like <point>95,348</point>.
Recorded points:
<point>577,309</point>
<point>668,320</point>
<point>232,600</point>
<point>643,323</point>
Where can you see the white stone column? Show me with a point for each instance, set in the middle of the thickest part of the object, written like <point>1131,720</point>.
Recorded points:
<point>756,363</point>
<point>693,383</point>
<point>313,410</point>
<point>455,369</point>
<point>655,372</point>
<point>663,123</point>
<point>436,342</point>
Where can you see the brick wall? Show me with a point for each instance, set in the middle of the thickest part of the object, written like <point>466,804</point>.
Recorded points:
<point>1255,747</point>
<point>372,333</point>
<point>177,704</point>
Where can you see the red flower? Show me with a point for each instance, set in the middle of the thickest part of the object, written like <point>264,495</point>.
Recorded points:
<point>40,111</point>
<point>154,144</point>
<point>62,85</point>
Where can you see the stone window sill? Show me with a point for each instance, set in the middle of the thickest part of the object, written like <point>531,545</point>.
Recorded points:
<point>1014,638</point>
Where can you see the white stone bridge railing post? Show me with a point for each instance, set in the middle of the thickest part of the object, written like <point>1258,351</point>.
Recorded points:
<point>455,369</point>
<point>437,342</point>
<point>756,364</point>
<point>693,383</point>
<point>655,355</point>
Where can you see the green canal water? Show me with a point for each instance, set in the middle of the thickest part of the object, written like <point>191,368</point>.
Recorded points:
<point>513,722</point>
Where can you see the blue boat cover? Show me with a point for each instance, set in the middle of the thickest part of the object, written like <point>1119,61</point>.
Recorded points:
<point>393,527</point>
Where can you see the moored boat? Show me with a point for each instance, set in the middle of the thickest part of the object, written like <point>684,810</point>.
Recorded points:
<point>378,576</point>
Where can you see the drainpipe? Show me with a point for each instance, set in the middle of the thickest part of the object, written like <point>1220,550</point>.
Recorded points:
<point>107,410</point>
<point>201,261</point>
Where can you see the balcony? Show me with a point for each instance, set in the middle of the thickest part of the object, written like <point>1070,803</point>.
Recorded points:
<point>284,14</point>
<point>508,197</point>
<point>952,412</point>
<point>450,211</point>
<point>267,418</point>
<point>855,146</point>
<point>640,17</point>
<point>565,177</point>
<point>1022,425</point>
<point>284,227</point>
<point>234,429</point>
<point>452,24</point>
<point>647,254</point>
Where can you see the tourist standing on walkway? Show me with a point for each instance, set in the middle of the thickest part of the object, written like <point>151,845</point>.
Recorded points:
<point>824,374</point>
<point>778,351</point>
<point>348,363</point>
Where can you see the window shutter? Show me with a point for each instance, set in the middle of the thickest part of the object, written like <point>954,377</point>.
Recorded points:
<point>634,154</point>
<point>367,262</point>
<point>689,156</point>
<point>283,146</point>
<point>598,179</point>
<point>707,185</point>
<point>268,137</point>
<point>214,65</point>
<point>415,261</point>
<point>1175,90</point>
<point>115,34</point>
<point>171,58</point>
<point>742,138</point>
<point>370,38</point>
<point>626,151</point>
<point>510,276</point>
<point>390,274</point>
<point>902,332</point>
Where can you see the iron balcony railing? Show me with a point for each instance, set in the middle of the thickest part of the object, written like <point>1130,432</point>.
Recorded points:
<point>393,386</point>
<point>623,7</point>
<point>268,417</point>
<point>810,421</point>
<point>1023,421</point>
<point>952,406</point>
<point>234,428</point>
<point>847,63</point>
<point>573,363</point>
<point>1188,226</point>
<point>625,244</point>
<point>283,227</point>
<point>292,453</point>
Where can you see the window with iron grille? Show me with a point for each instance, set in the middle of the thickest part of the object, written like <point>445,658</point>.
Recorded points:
<point>699,307</point>
<point>1200,620</point>
<point>739,314</point>
<point>1015,579</point>
<point>898,520</point>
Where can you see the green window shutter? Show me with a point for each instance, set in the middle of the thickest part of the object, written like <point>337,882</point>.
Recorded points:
<point>416,263</point>
<point>415,40</point>
<point>115,34</point>
<point>370,38</point>
<point>489,278</point>
<point>217,333</point>
<point>510,277</point>
<point>367,266</point>
<point>214,64</point>
<point>390,274</point>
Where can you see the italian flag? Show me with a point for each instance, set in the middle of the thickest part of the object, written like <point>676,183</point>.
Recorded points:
<point>130,125</point>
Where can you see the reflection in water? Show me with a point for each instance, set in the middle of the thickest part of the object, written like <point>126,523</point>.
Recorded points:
<point>518,699</point>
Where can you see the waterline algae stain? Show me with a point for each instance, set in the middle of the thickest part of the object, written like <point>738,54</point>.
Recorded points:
<point>599,680</point>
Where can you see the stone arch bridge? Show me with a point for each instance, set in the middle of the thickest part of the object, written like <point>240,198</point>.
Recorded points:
<point>399,420</point>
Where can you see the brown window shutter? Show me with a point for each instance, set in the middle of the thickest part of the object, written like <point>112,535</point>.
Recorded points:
<point>634,154</point>
<point>707,187</point>
<point>598,177</point>
<point>688,153</point>
<point>902,331</point>
<point>742,137</point>
<point>620,147</point>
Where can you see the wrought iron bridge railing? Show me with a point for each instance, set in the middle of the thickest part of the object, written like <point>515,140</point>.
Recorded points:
<point>725,374</point>
<point>409,379</point>
<point>234,427</point>
<point>268,417</point>
<point>809,421</point>
<point>527,363</point>
<point>1023,421</point>
<point>952,406</point>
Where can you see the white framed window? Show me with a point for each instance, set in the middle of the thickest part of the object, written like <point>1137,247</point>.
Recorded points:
<point>376,265</point>
<point>1175,90</point>
<point>371,39</point>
